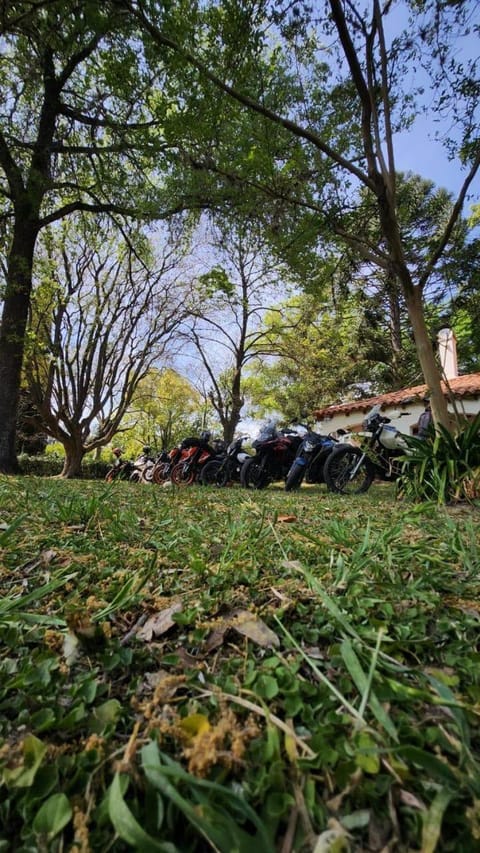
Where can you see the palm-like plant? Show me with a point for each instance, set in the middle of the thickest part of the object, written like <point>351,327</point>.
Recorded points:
<point>445,468</point>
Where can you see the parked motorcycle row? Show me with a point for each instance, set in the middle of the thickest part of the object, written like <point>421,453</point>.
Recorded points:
<point>280,454</point>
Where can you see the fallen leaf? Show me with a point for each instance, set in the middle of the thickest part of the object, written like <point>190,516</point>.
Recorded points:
<point>253,628</point>
<point>159,623</point>
<point>411,800</point>
<point>215,639</point>
<point>194,724</point>
<point>287,518</point>
<point>332,841</point>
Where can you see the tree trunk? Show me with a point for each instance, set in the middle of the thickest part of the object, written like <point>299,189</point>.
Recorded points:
<point>12,337</point>
<point>426,357</point>
<point>72,467</point>
<point>394,318</point>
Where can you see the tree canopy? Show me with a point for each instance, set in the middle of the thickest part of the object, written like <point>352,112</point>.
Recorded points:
<point>332,85</point>
<point>287,113</point>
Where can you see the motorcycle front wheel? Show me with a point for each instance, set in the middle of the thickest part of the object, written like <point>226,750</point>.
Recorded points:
<point>253,476</point>
<point>294,477</point>
<point>182,475</point>
<point>343,474</point>
<point>161,473</point>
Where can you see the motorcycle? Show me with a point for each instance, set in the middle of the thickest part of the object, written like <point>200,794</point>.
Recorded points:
<point>124,469</point>
<point>143,467</point>
<point>351,470</point>
<point>226,468</point>
<point>121,468</point>
<point>310,459</point>
<point>195,453</point>
<point>164,464</point>
<point>275,451</point>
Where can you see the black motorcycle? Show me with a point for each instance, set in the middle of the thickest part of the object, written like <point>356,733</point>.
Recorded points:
<point>227,467</point>
<point>352,470</point>
<point>275,451</point>
<point>309,462</point>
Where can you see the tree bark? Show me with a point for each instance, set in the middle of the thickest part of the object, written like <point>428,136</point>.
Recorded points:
<point>12,337</point>
<point>426,357</point>
<point>72,466</point>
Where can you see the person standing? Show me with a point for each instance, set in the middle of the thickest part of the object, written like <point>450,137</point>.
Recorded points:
<point>425,420</point>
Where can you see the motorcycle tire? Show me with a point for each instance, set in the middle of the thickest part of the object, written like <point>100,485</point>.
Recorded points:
<point>135,476</point>
<point>182,475</point>
<point>338,471</point>
<point>224,476</point>
<point>147,475</point>
<point>294,477</point>
<point>209,473</point>
<point>161,473</point>
<point>253,476</point>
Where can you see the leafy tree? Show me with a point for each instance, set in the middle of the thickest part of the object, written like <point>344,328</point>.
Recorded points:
<point>164,409</point>
<point>423,211</point>
<point>355,94</point>
<point>100,319</point>
<point>320,354</point>
<point>226,308</point>
<point>82,128</point>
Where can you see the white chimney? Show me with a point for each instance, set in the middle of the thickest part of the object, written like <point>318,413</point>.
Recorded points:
<point>447,350</point>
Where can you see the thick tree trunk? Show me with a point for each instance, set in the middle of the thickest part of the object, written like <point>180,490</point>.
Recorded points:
<point>426,357</point>
<point>12,337</point>
<point>72,467</point>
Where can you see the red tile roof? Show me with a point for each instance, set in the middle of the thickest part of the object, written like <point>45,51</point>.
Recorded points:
<point>462,386</point>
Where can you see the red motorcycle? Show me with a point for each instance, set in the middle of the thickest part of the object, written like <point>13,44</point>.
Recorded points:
<point>195,453</point>
<point>275,451</point>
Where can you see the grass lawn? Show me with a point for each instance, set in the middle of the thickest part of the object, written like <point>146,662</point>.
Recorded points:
<point>204,669</point>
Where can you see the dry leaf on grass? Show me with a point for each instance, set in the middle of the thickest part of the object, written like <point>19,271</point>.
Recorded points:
<point>159,623</point>
<point>245,623</point>
<point>253,628</point>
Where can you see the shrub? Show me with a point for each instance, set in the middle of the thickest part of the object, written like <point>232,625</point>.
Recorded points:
<point>50,465</point>
<point>445,468</point>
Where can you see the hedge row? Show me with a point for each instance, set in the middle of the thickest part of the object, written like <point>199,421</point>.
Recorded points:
<point>50,466</point>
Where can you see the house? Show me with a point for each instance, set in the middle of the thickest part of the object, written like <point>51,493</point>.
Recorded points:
<point>405,406</point>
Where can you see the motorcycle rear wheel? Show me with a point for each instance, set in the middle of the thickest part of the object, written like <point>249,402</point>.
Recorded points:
<point>339,467</point>
<point>209,473</point>
<point>253,476</point>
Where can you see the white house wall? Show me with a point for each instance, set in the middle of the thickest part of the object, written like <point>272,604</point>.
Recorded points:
<point>405,423</point>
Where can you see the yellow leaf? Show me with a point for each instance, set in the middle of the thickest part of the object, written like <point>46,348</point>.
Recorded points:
<point>291,748</point>
<point>194,724</point>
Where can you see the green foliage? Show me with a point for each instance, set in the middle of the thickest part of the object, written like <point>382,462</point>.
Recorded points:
<point>325,352</point>
<point>51,465</point>
<point>445,467</point>
<point>164,409</point>
<point>350,691</point>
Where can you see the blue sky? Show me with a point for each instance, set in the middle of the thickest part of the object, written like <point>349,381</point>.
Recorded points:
<point>419,153</point>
